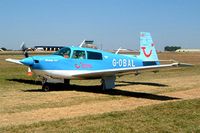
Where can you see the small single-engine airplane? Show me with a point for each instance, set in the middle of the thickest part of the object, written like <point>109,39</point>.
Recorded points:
<point>85,63</point>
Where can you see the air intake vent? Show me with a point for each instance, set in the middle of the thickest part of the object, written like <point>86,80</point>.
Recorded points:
<point>36,61</point>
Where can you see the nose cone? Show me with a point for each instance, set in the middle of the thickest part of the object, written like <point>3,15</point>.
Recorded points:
<point>27,61</point>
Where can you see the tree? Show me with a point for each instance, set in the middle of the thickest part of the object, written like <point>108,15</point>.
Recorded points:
<point>4,49</point>
<point>172,48</point>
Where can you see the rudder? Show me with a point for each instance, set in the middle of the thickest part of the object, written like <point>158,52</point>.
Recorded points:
<point>147,47</point>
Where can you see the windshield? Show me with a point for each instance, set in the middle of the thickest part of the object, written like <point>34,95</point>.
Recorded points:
<point>63,52</point>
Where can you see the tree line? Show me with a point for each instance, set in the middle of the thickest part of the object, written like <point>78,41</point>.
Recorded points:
<point>172,48</point>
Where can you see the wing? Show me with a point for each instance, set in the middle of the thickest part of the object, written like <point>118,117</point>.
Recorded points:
<point>109,72</point>
<point>14,61</point>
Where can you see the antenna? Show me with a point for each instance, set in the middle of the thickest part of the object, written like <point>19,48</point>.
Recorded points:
<point>118,50</point>
<point>101,46</point>
<point>82,43</point>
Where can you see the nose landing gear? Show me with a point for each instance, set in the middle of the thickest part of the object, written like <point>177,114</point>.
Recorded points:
<point>46,87</point>
<point>49,84</point>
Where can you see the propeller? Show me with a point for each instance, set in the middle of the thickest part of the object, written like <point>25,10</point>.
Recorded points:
<point>24,49</point>
<point>25,52</point>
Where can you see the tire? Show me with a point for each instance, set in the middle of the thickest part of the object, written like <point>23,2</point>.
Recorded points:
<point>46,87</point>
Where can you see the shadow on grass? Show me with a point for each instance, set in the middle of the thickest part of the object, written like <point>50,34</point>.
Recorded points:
<point>126,83</point>
<point>26,81</point>
<point>97,89</point>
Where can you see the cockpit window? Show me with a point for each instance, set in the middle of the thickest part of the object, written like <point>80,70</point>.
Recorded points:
<point>78,54</point>
<point>64,52</point>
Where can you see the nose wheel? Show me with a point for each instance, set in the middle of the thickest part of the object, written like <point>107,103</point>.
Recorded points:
<point>52,84</point>
<point>46,87</point>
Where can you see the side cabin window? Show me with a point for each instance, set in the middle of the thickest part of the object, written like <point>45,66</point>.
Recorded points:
<point>78,54</point>
<point>94,55</point>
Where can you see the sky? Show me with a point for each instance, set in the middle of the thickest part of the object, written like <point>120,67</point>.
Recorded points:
<point>110,23</point>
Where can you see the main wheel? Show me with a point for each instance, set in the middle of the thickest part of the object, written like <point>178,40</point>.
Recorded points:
<point>45,87</point>
<point>103,86</point>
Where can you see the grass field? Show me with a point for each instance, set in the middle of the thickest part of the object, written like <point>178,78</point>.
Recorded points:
<point>168,101</point>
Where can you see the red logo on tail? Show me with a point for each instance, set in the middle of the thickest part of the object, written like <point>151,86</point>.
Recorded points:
<point>144,51</point>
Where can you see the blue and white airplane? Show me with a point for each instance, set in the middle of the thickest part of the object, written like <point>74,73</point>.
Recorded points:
<point>85,63</point>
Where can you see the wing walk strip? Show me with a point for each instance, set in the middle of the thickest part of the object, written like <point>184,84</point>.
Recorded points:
<point>84,109</point>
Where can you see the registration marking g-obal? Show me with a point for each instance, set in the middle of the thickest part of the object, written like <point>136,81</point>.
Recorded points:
<point>123,63</point>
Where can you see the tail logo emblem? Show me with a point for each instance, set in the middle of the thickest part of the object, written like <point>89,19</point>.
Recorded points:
<point>145,53</point>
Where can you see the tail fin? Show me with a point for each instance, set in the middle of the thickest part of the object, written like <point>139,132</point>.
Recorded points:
<point>147,47</point>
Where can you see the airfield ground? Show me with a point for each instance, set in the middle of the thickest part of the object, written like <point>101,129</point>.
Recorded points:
<point>168,101</point>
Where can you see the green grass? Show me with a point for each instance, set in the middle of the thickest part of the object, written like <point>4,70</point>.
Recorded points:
<point>181,116</point>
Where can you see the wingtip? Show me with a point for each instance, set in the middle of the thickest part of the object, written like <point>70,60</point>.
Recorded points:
<point>13,61</point>
<point>178,64</point>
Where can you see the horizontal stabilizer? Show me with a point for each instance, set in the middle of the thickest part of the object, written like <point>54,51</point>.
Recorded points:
<point>160,61</point>
<point>184,65</point>
<point>173,62</point>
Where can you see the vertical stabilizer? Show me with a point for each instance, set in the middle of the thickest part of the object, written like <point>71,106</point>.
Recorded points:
<point>147,47</point>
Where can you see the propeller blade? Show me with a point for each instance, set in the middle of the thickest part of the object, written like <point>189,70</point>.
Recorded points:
<point>23,46</point>
<point>24,49</point>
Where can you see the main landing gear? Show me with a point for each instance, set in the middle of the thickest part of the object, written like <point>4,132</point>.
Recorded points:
<point>108,83</point>
<point>49,84</point>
